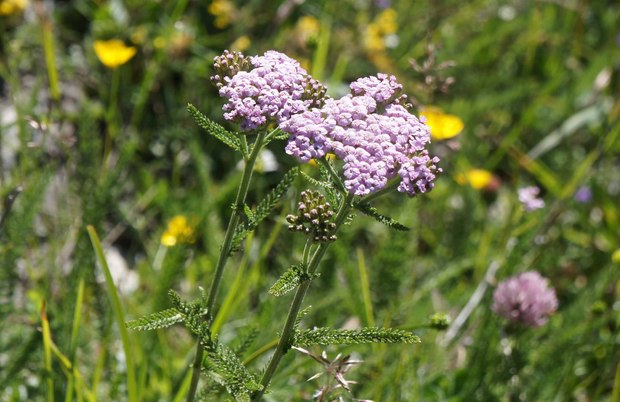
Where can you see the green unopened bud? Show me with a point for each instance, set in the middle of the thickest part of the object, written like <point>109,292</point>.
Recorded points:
<point>440,321</point>
<point>313,217</point>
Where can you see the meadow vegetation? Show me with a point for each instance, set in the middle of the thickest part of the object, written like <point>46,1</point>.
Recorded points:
<point>113,192</point>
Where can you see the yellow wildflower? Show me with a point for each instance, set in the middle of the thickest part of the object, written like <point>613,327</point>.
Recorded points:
<point>615,256</point>
<point>307,29</point>
<point>373,40</point>
<point>386,21</point>
<point>383,25</point>
<point>477,178</point>
<point>113,53</point>
<point>179,231</point>
<point>443,125</point>
<point>8,7</point>
<point>159,42</point>
<point>223,11</point>
<point>241,44</point>
<point>328,157</point>
<point>380,34</point>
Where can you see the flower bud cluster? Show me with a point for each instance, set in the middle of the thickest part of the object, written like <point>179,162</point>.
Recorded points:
<point>314,217</point>
<point>372,133</point>
<point>228,65</point>
<point>269,88</point>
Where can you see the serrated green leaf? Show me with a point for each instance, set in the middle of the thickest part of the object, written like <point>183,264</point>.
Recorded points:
<point>301,315</point>
<point>157,320</point>
<point>289,280</point>
<point>386,220</point>
<point>328,336</point>
<point>315,182</point>
<point>215,129</point>
<point>246,341</point>
<point>268,203</point>
<point>281,135</point>
<point>249,215</point>
<point>263,209</point>
<point>227,369</point>
<point>220,361</point>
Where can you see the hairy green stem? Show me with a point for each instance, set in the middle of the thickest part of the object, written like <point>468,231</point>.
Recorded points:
<point>335,177</point>
<point>284,343</point>
<point>306,254</point>
<point>225,253</point>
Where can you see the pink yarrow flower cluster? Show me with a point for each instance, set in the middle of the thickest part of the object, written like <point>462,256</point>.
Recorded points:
<point>525,298</point>
<point>271,87</point>
<point>373,133</point>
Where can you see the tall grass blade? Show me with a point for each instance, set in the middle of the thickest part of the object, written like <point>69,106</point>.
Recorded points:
<point>47,354</point>
<point>361,265</point>
<point>119,317</point>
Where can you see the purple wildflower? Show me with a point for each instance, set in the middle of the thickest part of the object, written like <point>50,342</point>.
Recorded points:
<point>528,197</point>
<point>372,133</point>
<point>583,195</point>
<point>525,298</point>
<point>274,88</point>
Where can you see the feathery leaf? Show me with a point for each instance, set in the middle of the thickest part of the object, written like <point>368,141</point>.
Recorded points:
<point>228,370</point>
<point>289,280</point>
<point>301,315</point>
<point>263,208</point>
<point>315,182</point>
<point>161,319</point>
<point>329,336</point>
<point>246,341</point>
<point>215,129</point>
<point>281,135</point>
<point>386,220</point>
<point>268,203</point>
<point>221,362</point>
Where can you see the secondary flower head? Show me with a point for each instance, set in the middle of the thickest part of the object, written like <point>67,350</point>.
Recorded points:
<point>443,126</point>
<point>274,88</point>
<point>528,196</point>
<point>227,65</point>
<point>372,133</point>
<point>525,298</point>
<point>179,230</point>
<point>113,53</point>
<point>314,217</point>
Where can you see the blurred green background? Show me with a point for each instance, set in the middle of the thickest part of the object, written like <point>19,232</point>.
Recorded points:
<point>536,84</point>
